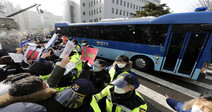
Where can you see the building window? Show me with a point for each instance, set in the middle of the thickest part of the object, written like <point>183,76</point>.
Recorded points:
<point>112,10</point>
<point>127,4</point>
<point>97,11</point>
<point>89,13</point>
<point>100,9</point>
<point>116,11</point>
<point>84,21</point>
<point>121,2</point>
<point>120,12</point>
<point>96,20</point>
<point>131,5</point>
<point>117,2</point>
<point>94,12</point>
<point>136,7</point>
<point>124,3</point>
<point>83,13</point>
<point>123,13</point>
<point>113,1</point>
<point>83,4</point>
<point>94,2</point>
<point>140,8</point>
<point>91,3</point>
<point>100,19</point>
<point>127,14</point>
<point>99,1</point>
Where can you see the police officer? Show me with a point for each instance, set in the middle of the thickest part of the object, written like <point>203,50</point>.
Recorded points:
<point>122,96</point>
<point>84,43</point>
<point>120,66</point>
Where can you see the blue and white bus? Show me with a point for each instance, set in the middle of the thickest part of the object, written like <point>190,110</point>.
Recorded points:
<point>178,43</point>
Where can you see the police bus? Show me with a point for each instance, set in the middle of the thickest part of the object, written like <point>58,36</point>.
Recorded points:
<point>178,43</point>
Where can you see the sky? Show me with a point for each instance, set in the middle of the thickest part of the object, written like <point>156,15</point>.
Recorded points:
<point>55,6</point>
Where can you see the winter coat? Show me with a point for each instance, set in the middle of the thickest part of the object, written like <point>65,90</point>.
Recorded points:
<point>42,67</point>
<point>23,107</point>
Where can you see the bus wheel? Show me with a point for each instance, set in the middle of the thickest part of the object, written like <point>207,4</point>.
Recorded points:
<point>142,63</point>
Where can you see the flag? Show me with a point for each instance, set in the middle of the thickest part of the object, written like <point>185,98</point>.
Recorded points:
<point>89,54</point>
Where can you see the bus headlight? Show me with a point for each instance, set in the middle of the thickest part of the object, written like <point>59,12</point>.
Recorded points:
<point>58,28</point>
<point>157,58</point>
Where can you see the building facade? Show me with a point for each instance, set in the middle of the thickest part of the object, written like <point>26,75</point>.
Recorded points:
<point>32,22</point>
<point>78,11</point>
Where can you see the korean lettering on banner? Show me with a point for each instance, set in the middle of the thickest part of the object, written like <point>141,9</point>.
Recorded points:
<point>67,50</point>
<point>32,53</point>
<point>25,43</point>
<point>89,54</point>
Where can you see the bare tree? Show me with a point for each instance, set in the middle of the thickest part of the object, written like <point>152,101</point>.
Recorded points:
<point>203,3</point>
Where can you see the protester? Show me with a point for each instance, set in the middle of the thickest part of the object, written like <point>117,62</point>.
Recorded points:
<point>96,74</point>
<point>201,104</point>
<point>33,89</point>
<point>23,107</point>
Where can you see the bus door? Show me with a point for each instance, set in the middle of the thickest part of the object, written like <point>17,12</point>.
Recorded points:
<point>183,52</point>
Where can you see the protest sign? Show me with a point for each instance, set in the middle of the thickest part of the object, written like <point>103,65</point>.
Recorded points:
<point>17,58</point>
<point>89,54</point>
<point>67,50</point>
<point>51,41</point>
<point>33,53</point>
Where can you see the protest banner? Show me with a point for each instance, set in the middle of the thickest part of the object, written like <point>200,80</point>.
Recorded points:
<point>25,43</point>
<point>67,50</point>
<point>89,54</point>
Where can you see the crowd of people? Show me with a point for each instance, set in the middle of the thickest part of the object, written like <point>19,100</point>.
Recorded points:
<point>51,84</point>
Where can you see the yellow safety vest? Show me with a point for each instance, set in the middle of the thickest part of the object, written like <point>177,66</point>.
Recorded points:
<point>76,60</point>
<point>119,108</point>
<point>112,72</point>
<point>95,105</point>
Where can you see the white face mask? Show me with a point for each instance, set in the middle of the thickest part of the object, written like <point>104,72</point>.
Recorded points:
<point>119,90</point>
<point>83,44</point>
<point>196,109</point>
<point>121,65</point>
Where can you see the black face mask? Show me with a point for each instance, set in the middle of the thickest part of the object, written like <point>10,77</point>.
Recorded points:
<point>117,98</point>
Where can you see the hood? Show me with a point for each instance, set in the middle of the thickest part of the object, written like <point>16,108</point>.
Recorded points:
<point>128,66</point>
<point>24,107</point>
<point>6,99</point>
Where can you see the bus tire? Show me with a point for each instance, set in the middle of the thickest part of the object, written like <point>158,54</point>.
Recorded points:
<point>143,63</point>
<point>201,76</point>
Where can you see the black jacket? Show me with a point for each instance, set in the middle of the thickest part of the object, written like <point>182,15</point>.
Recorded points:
<point>100,79</point>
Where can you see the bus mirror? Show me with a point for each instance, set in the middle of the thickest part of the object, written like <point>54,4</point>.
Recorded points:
<point>206,27</point>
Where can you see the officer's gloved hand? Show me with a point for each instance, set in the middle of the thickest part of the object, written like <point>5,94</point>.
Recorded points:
<point>86,66</point>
